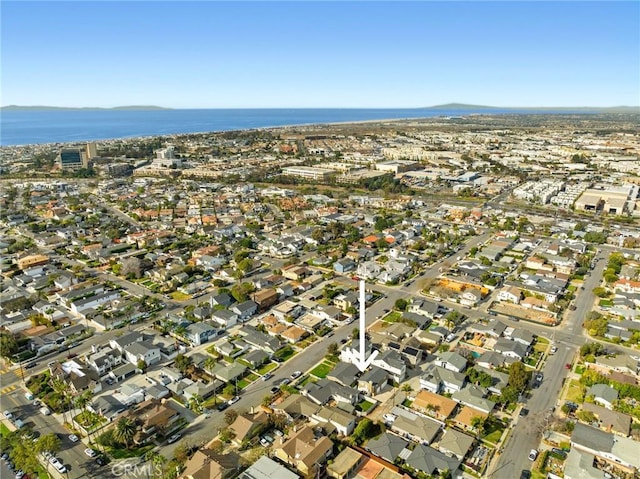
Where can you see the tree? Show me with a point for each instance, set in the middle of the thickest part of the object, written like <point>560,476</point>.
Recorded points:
<point>267,400</point>
<point>8,344</point>
<point>210,364</point>
<point>226,435</point>
<point>182,362</point>
<point>64,393</point>
<point>48,443</point>
<point>365,429</point>
<point>83,400</point>
<point>518,376</point>
<point>230,416</point>
<point>596,327</point>
<point>195,403</point>
<point>125,431</point>
<point>477,423</point>
<point>509,394</point>
<point>586,416</point>
<point>401,304</point>
<point>229,390</point>
<point>355,333</point>
<point>318,235</point>
<point>332,350</point>
<point>601,292</point>
<point>142,365</point>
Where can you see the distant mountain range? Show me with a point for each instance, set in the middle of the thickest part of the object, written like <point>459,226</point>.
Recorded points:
<point>462,106</point>
<point>40,108</point>
<point>448,106</point>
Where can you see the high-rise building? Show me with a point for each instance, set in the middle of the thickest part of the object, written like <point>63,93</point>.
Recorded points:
<point>92,152</point>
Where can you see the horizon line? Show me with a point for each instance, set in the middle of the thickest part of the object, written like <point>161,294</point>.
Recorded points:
<point>451,104</point>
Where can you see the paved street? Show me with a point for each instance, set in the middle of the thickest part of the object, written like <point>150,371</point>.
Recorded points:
<point>569,336</point>
<point>524,436</point>
<point>71,455</point>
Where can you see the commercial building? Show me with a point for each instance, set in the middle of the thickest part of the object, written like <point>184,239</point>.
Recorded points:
<point>73,158</point>
<point>308,172</point>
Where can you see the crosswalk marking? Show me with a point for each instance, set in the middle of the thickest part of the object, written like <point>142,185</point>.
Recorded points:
<point>8,389</point>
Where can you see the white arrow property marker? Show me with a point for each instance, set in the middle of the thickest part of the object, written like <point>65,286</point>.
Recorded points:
<point>359,357</point>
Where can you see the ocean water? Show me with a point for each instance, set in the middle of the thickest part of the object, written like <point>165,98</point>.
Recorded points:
<point>24,127</point>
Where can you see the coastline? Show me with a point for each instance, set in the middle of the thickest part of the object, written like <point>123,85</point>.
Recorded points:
<point>118,121</point>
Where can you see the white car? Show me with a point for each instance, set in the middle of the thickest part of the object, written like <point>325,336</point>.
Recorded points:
<point>296,374</point>
<point>8,414</point>
<point>389,417</point>
<point>554,349</point>
<point>533,455</point>
<point>233,400</point>
<point>90,452</point>
<point>73,438</point>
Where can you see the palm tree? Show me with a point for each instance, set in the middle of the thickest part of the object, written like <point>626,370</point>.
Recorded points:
<point>125,431</point>
<point>82,401</point>
<point>210,364</point>
<point>477,423</point>
<point>159,461</point>
<point>48,442</point>
<point>62,389</point>
<point>195,403</point>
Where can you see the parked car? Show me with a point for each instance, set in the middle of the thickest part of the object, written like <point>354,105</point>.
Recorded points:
<point>31,365</point>
<point>523,412</point>
<point>267,376</point>
<point>274,389</point>
<point>100,461</point>
<point>525,474</point>
<point>90,452</point>
<point>389,417</point>
<point>559,452</point>
<point>55,462</point>
<point>554,349</point>
<point>234,400</point>
<point>296,374</point>
<point>284,381</point>
<point>533,455</point>
<point>173,438</point>
<point>73,438</point>
<point>8,414</point>
<point>222,406</point>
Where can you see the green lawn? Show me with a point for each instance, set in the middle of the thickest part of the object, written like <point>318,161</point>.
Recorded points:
<point>321,370</point>
<point>542,340</point>
<point>493,431</point>
<point>243,383</point>
<point>575,392</point>
<point>365,405</point>
<point>4,430</point>
<point>212,402</point>
<point>607,303</point>
<point>178,296</point>
<point>308,379</point>
<point>265,368</point>
<point>286,353</point>
<point>125,453</point>
<point>393,317</point>
<point>580,368</point>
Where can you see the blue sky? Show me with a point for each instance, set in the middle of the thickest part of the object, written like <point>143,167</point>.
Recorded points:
<point>320,54</point>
